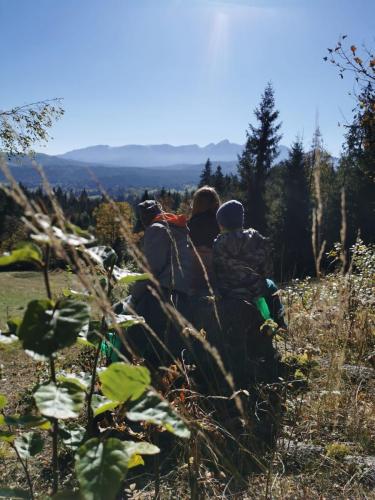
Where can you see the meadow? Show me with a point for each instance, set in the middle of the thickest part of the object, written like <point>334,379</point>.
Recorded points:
<point>17,287</point>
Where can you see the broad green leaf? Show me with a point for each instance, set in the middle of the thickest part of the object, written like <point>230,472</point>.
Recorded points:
<point>101,466</point>
<point>140,448</point>
<point>25,252</point>
<point>80,232</point>
<point>72,436</point>
<point>14,493</point>
<point>82,379</point>
<point>121,381</point>
<point>126,277</point>
<point>7,436</point>
<point>75,294</point>
<point>101,404</point>
<point>154,410</point>
<point>28,421</point>
<point>2,419</point>
<point>47,327</point>
<point>127,320</point>
<point>70,234</point>
<point>103,255</point>
<point>3,401</point>
<point>29,444</point>
<point>64,400</point>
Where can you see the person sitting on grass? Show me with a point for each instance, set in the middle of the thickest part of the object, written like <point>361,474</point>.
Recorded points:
<point>242,263</point>
<point>203,232</point>
<point>169,256</point>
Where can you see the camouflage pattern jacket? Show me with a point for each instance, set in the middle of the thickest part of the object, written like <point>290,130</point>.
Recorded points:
<point>242,262</point>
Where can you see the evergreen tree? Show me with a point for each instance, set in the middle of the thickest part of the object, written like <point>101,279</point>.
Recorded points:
<point>219,180</point>
<point>297,235</point>
<point>206,175</point>
<point>257,158</point>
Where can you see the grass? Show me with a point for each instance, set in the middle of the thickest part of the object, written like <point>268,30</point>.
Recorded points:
<point>17,288</point>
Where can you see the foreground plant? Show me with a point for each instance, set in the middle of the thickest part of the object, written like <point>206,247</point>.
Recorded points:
<point>50,325</point>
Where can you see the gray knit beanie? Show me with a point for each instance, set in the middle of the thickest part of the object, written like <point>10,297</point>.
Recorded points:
<point>231,215</point>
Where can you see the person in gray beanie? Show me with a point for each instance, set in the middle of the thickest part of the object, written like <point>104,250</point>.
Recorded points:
<point>242,263</point>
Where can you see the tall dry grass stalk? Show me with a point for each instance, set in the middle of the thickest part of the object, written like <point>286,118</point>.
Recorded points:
<point>317,215</point>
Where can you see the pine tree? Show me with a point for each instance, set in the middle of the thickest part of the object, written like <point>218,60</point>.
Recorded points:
<point>257,158</point>
<point>219,180</point>
<point>206,175</point>
<point>297,238</point>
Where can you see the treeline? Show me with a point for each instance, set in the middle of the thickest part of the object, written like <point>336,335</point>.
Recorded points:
<point>93,213</point>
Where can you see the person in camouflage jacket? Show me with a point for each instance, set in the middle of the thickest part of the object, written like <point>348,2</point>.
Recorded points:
<point>241,257</point>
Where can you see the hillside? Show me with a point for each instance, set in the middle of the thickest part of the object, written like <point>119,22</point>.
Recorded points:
<point>71,174</point>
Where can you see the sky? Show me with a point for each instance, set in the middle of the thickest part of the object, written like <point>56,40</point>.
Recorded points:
<point>179,71</point>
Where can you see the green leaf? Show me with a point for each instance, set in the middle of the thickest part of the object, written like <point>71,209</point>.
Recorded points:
<point>127,320</point>
<point>154,410</point>
<point>82,379</point>
<point>7,436</point>
<point>100,468</point>
<point>101,404</point>
<point>69,235</point>
<point>3,401</point>
<point>46,328</point>
<point>14,493</point>
<point>72,436</point>
<point>64,400</point>
<point>121,381</point>
<point>140,448</point>
<point>13,324</point>
<point>25,252</point>
<point>29,444</point>
<point>103,255</point>
<point>126,277</point>
<point>28,421</point>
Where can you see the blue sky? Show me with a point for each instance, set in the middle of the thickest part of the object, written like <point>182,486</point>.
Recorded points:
<point>179,71</point>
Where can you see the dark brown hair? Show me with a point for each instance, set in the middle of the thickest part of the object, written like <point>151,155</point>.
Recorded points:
<point>205,199</point>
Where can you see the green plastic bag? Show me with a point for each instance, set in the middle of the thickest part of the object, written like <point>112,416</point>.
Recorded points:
<point>107,347</point>
<point>263,308</point>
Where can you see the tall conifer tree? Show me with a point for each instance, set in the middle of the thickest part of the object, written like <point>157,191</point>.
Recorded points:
<point>257,158</point>
<point>219,180</point>
<point>298,254</point>
<point>206,175</point>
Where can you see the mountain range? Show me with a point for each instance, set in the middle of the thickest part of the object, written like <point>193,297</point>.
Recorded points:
<point>131,166</point>
<point>160,155</point>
